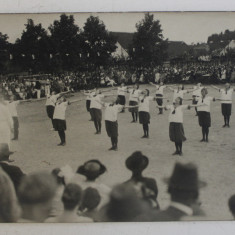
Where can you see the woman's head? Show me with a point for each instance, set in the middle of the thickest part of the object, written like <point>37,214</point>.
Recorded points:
<point>204,92</point>
<point>71,196</point>
<point>146,92</point>
<point>178,101</point>
<point>9,209</point>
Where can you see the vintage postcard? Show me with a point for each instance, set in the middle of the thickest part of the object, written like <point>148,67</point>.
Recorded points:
<point>117,117</point>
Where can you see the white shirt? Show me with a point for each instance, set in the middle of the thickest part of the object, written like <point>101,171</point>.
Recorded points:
<point>12,108</point>
<point>197,92</point>
<point>51,100</point>
<point>122,90</point>
<point>144,106</point>
<point>159,89</point>
<point>60,109</point>
<point>179,93</point>
<point>111,112</point>
<point>96,101</point>
<point>207,103</point>
<point>134,95</point>
<point>228,96</point>
<point>178,115</point>
<point>89,96</point>
<point>186,209</point>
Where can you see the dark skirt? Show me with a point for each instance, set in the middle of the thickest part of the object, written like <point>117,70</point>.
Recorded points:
<point>159,101</point>
<point>50,111</point>
<point>111,128</point>
<point>226,109</point>
<point>133,103</point>
<point>88,103</point>
<point>59,125</point>
<point>176,132</point>
<point>204,118</point>
<point>122,99</point>
<point>96,114</point>
<point>144,117</point>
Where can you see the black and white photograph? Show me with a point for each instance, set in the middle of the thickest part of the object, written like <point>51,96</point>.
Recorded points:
<point>117,117</point>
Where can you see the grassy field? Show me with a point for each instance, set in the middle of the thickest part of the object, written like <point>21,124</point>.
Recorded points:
<point>37,149</point>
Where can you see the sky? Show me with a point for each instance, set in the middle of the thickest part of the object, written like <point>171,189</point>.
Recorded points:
<point>190,27</point>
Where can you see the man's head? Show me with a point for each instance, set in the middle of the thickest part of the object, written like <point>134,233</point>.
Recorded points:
<point>35,194</point>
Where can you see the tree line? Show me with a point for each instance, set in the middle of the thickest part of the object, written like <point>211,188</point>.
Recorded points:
<point>66,47</point>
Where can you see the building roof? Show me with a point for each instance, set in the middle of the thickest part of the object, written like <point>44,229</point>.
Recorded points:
<point>177,48</point>
<point>125,39</point>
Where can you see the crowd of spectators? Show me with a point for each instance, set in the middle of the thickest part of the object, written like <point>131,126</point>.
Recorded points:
<point>39,86</point>
<point>70,197</point>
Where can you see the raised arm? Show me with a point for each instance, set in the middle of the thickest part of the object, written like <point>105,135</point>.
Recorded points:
<point>215,87</point>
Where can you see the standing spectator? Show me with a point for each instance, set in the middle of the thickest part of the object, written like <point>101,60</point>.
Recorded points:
<point>38,89</point>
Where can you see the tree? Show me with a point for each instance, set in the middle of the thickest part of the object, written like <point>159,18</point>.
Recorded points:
<point>98,43</point>
<point>31,50</point>
<point>3,52</point>
<point>148,47</point>
<point>65,43</point>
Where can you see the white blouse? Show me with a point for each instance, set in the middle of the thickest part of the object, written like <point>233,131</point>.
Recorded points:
<point>144,104</point>
<point>111,112</point>
<point>159,89</point>
<point>51,100</point>
<point>60,109</point>
<point>12,108</point>
<point>176,116</point>
<point>122,90</point>
<point>179,94</point>
<point>134,95</point>
<point>226,98</point>
<point>96,101</point>
<point>206,103</point>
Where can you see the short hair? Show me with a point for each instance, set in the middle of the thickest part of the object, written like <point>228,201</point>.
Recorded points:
<point>231,204</point>
<point>71,196</point>
<point>37,188</point>
<point>204,89</point>
<point>59,179</point>
<point>91,198</point>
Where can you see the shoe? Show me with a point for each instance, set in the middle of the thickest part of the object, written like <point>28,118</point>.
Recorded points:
<point>147,136</point>
<point>133,121</point>
<point>228,125</point>
<point>207,140</point>
<point>14,139</point>
<point>180,153</point>
<point>63,144</point>
<point>175,153</point>
<point>60,144</point>
<point>112,148</point>
<point>97,132</point>
<point>224,125</point>
<point>144,136</point>
<point>202,140</point>
<point>115,148</point>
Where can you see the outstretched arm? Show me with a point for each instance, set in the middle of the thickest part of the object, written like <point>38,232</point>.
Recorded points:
<point>215,87</point>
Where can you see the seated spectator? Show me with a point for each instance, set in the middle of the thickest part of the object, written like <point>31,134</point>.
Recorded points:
<point>136,163</point>
<point>231,204</point>
<point>92,170</point>
<point>9,208</point>
<point>90,201</point>
<point>35,194</point>
<point>124,206</point>
<point>71,198</point>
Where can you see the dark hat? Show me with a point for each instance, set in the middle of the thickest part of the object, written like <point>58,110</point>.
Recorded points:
<point>5,153</point>
<point>137,161</point>
<point>184,178</point>
<point>91,169</point>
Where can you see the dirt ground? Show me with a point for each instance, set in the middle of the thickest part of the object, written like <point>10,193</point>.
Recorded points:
<point>37,148</point>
